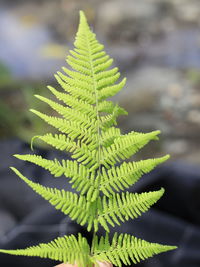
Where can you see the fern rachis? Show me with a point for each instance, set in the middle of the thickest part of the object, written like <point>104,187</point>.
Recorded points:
<point>87,124</point>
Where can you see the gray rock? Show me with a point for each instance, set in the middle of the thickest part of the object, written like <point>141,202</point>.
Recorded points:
<point>124,21</point>
<point>157,98</point>
<point>194,116</point>
<point>156,88</point>
<point>187,11</point>
<point>115,11</point>
<point>176,147</point>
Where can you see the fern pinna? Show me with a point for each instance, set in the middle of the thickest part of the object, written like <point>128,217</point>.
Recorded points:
<point>87,126</point>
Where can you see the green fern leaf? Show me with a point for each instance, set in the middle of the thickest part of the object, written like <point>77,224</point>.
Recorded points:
<point>108,106</point>
<point>109,120</point>
<point>68,113</point>
<point>77,104</point>
<point>86,124</point>
<point>53,166</point>
<point>85,95</point>
<point>64,249</point>
<point>59,141</point>
<point>125,248</point>
<point>123,176</point>
<point>109,136</point>
<point>72,129</point>
<point>125,146</point>
<point>86,154</point>
<point>125,206</point>
<point>111,90</point>
<point>74,171</point>
<point>77,208</point>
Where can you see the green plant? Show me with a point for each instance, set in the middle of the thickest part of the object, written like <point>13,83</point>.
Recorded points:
<point>88,131</point>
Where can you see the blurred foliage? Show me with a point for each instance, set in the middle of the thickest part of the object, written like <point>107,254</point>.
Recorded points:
<point>16,98</point>
<point>194,76</point>
<point>54,50</point>
<point>5,75</point>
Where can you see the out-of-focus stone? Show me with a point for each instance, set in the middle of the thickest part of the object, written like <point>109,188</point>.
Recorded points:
<point>175,91</point>
<point>175,147</point>
<point>158,98</point>
<point>115,11</point>
<point>125,57</point>
<point>187,11</point>
<point>144,101</point>
<point>195,100</point>
<point>163,88</point>
<point>122,21</point>
<point>194,116</point>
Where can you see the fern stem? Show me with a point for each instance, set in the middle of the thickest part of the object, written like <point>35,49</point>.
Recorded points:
<point>98,133</point>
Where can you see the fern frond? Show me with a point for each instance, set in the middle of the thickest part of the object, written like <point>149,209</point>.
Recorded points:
<point>125,206</point>
<point>81,178</point>
<point>108,106</point>
<point>58,141</point>
<point>72,129</point>
<point>125,248</point>
<point>77,208</point>
<point>78,104</point>
<point>102,64</point>
<point>86,123</point>
<point>67,249</point>
<point>79,84</point>
<point>125,146</point>
<point>108,136</point>
<point>101,76</point>
<point>82,94</point>
<point>84,153</point>
<point>107,81</point>
<point>91,64</point>
<point>53,166</point>
<point>107,121</point>
<point>111,90</point>
<point>127,174</point>
<point>83,68</point>
<point>77,75</point>
<point>68,113</point>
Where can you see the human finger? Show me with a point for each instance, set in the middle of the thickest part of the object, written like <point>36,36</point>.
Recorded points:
<point>104,264</point>
<point>66,265</point>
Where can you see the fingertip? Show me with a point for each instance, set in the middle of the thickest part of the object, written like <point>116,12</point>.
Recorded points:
<point>66,265</point>
<point>104,264</point>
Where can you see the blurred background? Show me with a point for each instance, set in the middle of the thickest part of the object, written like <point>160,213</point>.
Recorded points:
<point>155,44</point>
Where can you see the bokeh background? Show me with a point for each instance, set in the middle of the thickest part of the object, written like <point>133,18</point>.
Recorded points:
<point>155,44</point>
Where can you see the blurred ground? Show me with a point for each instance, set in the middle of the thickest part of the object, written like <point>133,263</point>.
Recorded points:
<point>156,44</point>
